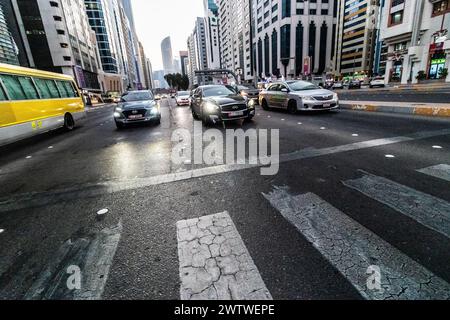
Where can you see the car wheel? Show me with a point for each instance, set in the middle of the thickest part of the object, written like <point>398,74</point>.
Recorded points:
<point>292,107</point>
<point>119,125</point>
<point>264,105</point>
<point>194,115</point>
<point>69,123</point>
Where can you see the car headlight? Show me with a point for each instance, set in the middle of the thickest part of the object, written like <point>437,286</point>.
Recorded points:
<point>119,109</point>
<point>117,115</point>
<point>251,103</point>
<point>308,98</point>
<point>154,111</point>
<point>211,107</point>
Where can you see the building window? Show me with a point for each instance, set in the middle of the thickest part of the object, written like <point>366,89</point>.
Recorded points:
<point>441,7</point>
<point>396,18</point>
<point>286,10</point>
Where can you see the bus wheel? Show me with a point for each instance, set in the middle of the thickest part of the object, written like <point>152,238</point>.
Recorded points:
<point>69,123</point>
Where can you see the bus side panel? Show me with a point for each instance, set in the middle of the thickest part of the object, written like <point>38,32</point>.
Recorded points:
<point>23,119</point>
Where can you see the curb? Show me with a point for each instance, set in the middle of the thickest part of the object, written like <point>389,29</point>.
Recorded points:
<point>411,110</point>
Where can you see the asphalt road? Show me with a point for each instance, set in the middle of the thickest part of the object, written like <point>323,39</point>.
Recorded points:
<point>312,231</point>
<point>393,95</point>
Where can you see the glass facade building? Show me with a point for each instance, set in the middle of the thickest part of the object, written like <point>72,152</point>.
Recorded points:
<point>96,13</point>
<point>8,50</point>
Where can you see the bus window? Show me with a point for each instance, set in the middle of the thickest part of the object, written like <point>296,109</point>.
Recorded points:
<point>53,89</point>
<point>2,94</point>
<point>28,87</point>
<point>69,88</point>
<point>13,87</point>
<point>43,88</point>
<point>62,89</point>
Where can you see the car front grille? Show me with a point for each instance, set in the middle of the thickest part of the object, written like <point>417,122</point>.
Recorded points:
<point>128,113</point>
<point>234,107</point>
<point>324,98</point>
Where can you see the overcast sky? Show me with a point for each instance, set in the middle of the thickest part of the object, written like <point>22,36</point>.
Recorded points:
<point>157,19</point>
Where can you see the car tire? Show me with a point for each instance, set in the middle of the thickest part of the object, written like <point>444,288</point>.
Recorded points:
<point>119,125</point>
<point>292,107</point>
<point>264,105</point>
<point>194,114</point>
<point>249,119</point>
<point>69,123</point>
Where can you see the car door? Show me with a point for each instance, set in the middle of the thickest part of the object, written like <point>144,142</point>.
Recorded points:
<point>271,92</point>
<point>281,97</point>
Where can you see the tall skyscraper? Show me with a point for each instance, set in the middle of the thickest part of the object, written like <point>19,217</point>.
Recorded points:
<point>212,34</point>
<point>294,38</point>
<point>356,36</point>
<point>167,55</point>
<point>57,37</point>
<point>197,51</point>
<point>9,52</point>
<point>235,36</point>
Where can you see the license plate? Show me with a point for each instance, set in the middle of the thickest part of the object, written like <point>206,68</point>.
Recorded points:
<point>327,105</point>
<point>236,114</point>
<point>135,116</point>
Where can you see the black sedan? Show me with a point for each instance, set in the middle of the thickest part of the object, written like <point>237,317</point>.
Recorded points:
<point>217,103</point>
<point>137,107</point>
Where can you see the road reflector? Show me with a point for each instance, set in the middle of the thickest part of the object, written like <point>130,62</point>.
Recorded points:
<point>102,212</point>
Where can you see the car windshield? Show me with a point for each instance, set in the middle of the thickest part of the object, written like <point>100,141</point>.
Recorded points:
<point>302,85</point>
<point>217,91</point>
<point>183,93</point>
<point>137,96</point>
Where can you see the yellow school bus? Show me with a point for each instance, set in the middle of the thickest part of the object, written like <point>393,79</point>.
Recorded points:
<point>34,101</point>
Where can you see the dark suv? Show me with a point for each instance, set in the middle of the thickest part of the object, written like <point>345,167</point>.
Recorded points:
<point>217,103</point>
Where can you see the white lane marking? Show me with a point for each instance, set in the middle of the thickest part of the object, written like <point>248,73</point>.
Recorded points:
<point>429,211</point>
<point>283,119</point>
<point>22,201</point>
<point>389,156</point>
<point>355,135</point>
<point>300,123</point>
<point>28,157</point>
<point>353,249</point>
<point>2,230</point>
<point>437,147</point>
<point>214,262</point>
<point>441,171</point>
<point>51,147</point>
<point>92,256</point>
<point>323,128</point>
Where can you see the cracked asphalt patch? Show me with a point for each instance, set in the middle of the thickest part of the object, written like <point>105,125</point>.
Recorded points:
<point>214,262</point>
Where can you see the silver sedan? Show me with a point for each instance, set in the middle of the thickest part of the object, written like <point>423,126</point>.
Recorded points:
<point>298,95</point>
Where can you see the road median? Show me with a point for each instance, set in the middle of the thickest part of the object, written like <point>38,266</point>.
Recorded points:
<point>411,108</point>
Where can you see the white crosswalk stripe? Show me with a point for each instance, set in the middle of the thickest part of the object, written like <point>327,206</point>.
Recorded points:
<point>430,211</point>
<point>214,262</point>
<point>356,252</point>
<point>441,171</point>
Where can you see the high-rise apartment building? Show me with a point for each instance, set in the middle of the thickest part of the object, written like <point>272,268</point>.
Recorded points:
<point>56,36</point>
<point>197,51</point>
<point>212,34</point>
<point>235,37</point>
<point>293,38</point>
<point>356,36</point>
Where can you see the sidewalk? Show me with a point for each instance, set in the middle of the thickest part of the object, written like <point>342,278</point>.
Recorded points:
<point>412,108</point>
